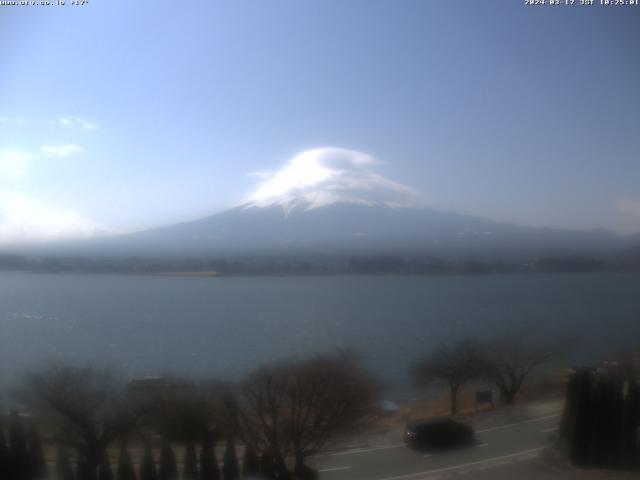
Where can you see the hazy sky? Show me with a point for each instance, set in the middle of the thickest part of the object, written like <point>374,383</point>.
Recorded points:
<point>124,115</point>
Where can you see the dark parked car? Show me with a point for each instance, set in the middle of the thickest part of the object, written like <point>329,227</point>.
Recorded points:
<point>438,434</point>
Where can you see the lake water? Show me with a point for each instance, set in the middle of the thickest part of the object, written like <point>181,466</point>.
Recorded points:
<point>226,326</point>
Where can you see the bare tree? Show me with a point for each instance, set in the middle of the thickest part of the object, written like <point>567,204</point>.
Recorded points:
<point>249,408</point>
<point>326,396</point>
<point>454,364</point>
<point>509,360</point>
<point>296,407</point>
<point>85,407</point>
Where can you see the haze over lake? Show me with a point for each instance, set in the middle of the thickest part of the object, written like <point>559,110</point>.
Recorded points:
<point>225,326</point>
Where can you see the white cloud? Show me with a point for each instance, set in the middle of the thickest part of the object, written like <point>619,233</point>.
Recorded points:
<point>77,122</point>
<point>14,164</point>
<point>86,124</point>
<point>323,176</point>
<point>13,121</point>
<point>26,219</point>
<point>261,174</point>
<point>60,150</point>
<point>67,122</point>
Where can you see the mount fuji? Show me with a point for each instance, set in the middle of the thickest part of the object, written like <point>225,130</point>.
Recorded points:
<point>331,201</point>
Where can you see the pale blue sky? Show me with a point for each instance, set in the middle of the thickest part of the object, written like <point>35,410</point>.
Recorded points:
<point>130,114</point>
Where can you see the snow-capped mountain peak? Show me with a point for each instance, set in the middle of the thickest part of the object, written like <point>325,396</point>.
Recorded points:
<point>325,176</point>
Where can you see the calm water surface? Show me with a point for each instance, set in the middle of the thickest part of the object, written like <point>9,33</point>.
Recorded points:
<point>226,326</point>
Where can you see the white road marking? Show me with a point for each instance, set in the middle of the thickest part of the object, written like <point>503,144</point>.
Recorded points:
<point>485,467</point>
<point>509,425</point>
<point>482,445</point>
<point>427,455</point>
<point>365,450</point>
<point>550,430</point>
<point>464,465</point>
<point>333,469</point>
<point>543,418</point>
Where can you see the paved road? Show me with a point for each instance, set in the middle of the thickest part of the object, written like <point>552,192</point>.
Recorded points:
<point>498,448</point>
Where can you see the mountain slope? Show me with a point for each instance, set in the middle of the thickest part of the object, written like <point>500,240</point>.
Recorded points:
<point>349,228</point>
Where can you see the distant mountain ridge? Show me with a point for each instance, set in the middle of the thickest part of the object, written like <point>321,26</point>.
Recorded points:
<point>355,228</point>
<point>338,238</point>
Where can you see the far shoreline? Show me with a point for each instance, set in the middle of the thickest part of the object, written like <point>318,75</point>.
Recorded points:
<point>256,274</point>
<point>207,273</point>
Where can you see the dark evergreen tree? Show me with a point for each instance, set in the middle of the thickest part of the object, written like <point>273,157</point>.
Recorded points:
<point>18,451</point>
<point>208,463</point>
<point>4,455</point>
<point>168,466</point>
<point>125,465</point>
<point>282,472</point>
<point>64,471</point>
<point>602,418</point>
<point>267,465</point>
<point>605,445</point>
<point>304,472</point>
<point>230,469</point>
<point>148,466</point>
<point>83,470</point>
<point>632,423</point>
<point>250,462</point>
<point>104,468</point>
<point>190,471</point>
<point>37,462</point>
<point>576,423</point>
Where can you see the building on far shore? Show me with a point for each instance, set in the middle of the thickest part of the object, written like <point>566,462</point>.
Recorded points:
<point>155,384</point>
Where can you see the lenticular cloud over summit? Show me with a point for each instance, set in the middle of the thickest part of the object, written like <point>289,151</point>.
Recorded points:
<point>323,176</point>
